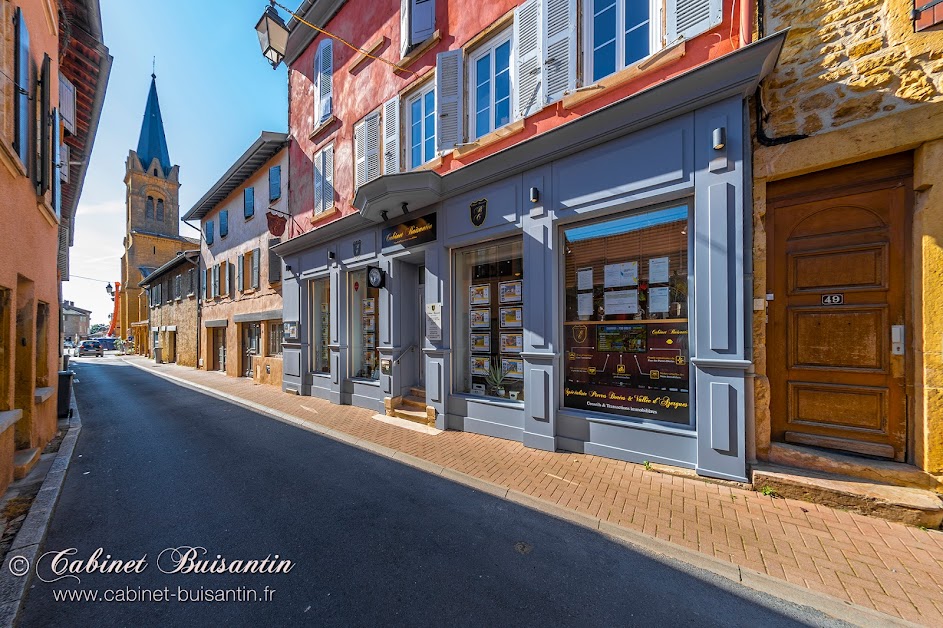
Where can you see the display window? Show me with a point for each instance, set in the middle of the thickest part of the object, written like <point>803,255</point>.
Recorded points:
<point>626,320</point>
<point>321,316</point>
<point>489,321</point>
<point>364,315</point>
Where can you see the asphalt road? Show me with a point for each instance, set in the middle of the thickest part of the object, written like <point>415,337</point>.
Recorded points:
<point>372,542</point>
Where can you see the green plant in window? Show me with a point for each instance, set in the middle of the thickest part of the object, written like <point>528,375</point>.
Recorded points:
<point>495,380</point>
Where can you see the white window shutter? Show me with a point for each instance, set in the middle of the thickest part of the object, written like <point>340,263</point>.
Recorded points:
<point>64,159</point>
<point>372,144</point>
<point>360,154</point>
<point>529,46</point>
<point>689,18</point>
<point>405,28</point>
<point>422,20</point>
<point>328,183</point>
<point>391,136</point>
<point>448,99</point>
<point>316,112</point>
<point>318,182</point>
<point>559,23</point>
<point>326,82</point>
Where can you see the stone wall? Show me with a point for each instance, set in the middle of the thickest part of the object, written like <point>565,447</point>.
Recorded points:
<point>846,61</point>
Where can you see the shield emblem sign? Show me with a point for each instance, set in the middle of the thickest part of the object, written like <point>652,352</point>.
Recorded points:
<point>479,210</point>
<point>579,333</point>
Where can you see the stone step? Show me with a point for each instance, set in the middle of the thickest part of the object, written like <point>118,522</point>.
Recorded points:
<point>413,403</point>
<point>412,415</point>
<point>416,391</point>
<point>23,462</point>
<point>914,506</point>
<point>880,471</point>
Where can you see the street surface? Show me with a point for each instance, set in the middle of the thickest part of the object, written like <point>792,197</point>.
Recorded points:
<point>371,541</point>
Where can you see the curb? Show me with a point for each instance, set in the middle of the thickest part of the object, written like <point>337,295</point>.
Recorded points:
<point>654,547</point>
<point>29,540</point>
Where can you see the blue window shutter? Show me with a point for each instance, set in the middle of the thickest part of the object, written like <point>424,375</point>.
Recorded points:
<point>274,183</point>
<point>240,267</point>
<point>248,202</point>
<point>256,254</point>
<point>21,86</point>
<point>209,231</point>
<point>224,223</point>
<point>44,157</point>
<point>57,165</point>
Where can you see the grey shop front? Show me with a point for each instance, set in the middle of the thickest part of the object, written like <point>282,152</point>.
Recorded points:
<point>582,290</point>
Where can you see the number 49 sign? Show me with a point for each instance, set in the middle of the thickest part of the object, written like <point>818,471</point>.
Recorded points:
<point>833,299</point>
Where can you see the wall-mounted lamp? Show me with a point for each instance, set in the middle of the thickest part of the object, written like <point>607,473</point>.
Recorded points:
<point>287,267</point>
<point>273,35</point>
<point>534,195</point>
<point>383,215</point>
<point>109,289</point>
<point>331,255</point>
<point>719,138</point>
<point>405,208</point>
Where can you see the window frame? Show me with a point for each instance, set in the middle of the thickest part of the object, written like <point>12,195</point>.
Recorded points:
<point>276,339</point>
<point>656,10</point>
<point>419,95</point>
<point>488,47</point>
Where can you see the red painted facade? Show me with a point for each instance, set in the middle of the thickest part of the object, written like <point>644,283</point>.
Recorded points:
<point>358,92</point>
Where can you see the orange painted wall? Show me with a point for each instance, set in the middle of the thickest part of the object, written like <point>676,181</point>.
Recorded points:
<point>363,22</point>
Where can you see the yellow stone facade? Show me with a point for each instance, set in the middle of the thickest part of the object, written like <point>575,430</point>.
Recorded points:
<point>857,80</point>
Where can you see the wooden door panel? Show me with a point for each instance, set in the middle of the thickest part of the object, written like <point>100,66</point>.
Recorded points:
<point>846,338</point>
<point>828,405</point>
<point>846,268</point>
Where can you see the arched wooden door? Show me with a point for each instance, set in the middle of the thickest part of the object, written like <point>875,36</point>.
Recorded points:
<point>838,330</point>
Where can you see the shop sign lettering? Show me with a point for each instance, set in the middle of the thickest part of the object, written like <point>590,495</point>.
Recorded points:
<point>411,233</point>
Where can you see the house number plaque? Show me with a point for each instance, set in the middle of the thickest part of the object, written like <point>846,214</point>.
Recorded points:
<point>833,299</point>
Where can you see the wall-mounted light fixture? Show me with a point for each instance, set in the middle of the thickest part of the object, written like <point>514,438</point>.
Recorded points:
<point>331,255</point>
<point>719,138</point>
<point>273,35</point>
<point>534,195</point>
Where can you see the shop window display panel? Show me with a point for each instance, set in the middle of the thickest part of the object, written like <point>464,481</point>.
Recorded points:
<point>489,330</point>
<point>321,327</point>
<point>364,325</point>
<point>626,320</point>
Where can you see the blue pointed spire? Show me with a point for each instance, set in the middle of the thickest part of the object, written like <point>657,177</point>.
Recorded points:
<point>152,142</point>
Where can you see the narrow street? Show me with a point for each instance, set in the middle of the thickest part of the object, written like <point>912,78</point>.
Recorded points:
<point>371,541</point>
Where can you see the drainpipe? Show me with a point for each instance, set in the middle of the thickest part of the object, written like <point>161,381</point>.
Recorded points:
<point>746,22</point>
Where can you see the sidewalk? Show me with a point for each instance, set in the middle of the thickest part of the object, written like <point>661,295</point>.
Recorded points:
<point>888,567</point>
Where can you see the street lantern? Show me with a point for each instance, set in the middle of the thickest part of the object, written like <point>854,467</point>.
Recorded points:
<point>109,289</point>
<point>273,35</point>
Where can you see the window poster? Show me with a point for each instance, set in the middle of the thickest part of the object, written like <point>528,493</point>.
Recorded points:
<point>511,291</point>
<point>620,302</point>
<point>480,319</point>
<point>512,317</point>
<point>658,302</point>
<point>480,365</point>
<point>479,295</point>
<point>512,343</point>
<point>369,307</point>
<point>480,343</point>
<point>620,275</point>
<point>513,368</point>
<point>584,305</point>
<point>584,278</point>
<point>369,341</point>
<point>369,324</point>
<point>658,270</point>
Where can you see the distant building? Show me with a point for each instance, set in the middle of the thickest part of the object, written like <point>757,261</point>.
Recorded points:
<point>241,329</point>
<point>75,321</point>
<point>172,311</point>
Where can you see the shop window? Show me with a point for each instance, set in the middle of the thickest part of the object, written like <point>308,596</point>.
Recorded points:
<point>276,336</point>
<point>489,321</point>
<point>626,320</point>
<point>364,307</point>
<point>420,109</point>
<point>321,327</point>
<point>489,84</point>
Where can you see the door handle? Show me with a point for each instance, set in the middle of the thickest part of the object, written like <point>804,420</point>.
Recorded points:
<point>897,340</point>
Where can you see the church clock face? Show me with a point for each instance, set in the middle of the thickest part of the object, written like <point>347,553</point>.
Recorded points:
<point>375,277</point>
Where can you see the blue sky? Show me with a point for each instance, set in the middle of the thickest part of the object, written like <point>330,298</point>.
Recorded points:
<point>217,93</point>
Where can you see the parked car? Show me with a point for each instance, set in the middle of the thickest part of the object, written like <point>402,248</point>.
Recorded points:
<point>67,347</point>
<point>108,343</point>
<point>90,347</point>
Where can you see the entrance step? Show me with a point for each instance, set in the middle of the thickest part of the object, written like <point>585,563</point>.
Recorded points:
<point>880,471</point>
<point>23,462</point>
<point>413,403</point>
<point>914,506</point>
<point>419,416</point>
<point>420,393</point>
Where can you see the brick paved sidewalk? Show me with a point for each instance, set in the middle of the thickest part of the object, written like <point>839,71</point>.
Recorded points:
<point>889,567</point>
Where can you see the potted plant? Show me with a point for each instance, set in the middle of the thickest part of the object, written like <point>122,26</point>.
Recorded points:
<point>495,379</point>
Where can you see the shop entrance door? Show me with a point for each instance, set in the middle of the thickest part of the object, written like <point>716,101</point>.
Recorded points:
<point>219,348</point>
<point>838,325</point>
<point>251,336</point>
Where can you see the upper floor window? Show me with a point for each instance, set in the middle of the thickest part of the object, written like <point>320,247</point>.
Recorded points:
<point>619,33</point>
<point>160,209</point>
<point>274,183</point>
<point>224,223</point>
<point>149,207</point>
<point>367,149</point>
<point>489,81</point>
<point>323,81</point>
<point>420,124</point>
<point>248,203</point>
<point>208,232</point>
<point>417,23</point>
<point>324,179</point>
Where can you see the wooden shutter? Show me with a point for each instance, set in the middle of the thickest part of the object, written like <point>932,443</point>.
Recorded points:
<point>22,84</point>
<point>328,182</point>
<point>319,182</point>
<point>325,86</point>
<point>274,183</point>
<point>422,20</point>
<point>224,270</point>
<point>274,262</point>
<point>405,30</point>
<point>448,99</point>
<point>256,254</point>
<point>64,160</point>
<point>559,23</point>
<point>372,145</point>
<point>391,136</point>
<point>316,87</point>
<point>67,103</point>
<point>44,152</point>
<point>208,228</point>
<point>240,278</point>
<point>206,284</point>
<point>689,18</point>
<point>224,223</point>
<point>56,165</point>
<point>360,156</point>
<point>527,36</point>
<point>248,202</point>
<point>215,291</point>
